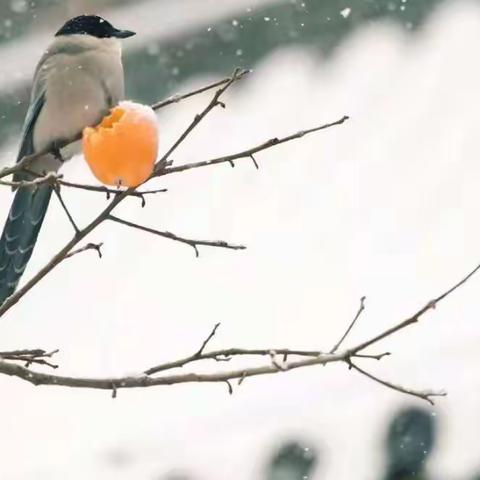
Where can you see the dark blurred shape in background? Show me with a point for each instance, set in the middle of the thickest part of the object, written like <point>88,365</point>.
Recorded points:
<point>410,440</point>
<point>292,461</point>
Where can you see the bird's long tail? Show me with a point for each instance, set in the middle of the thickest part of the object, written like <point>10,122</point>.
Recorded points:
<point>20,234</point>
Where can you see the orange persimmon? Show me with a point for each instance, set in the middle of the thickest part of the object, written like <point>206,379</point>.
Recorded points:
<point>122,149</point>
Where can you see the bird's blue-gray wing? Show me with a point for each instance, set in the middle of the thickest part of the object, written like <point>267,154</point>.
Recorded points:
<point>26,145</point>
<point>26,213</point>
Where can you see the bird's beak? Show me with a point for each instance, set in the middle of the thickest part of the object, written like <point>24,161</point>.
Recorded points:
<point>124,33</point>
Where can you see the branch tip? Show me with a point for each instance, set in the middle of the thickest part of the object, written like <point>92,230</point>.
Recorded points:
<point>361,308</point>
<point>207,340</point>
<point>229,385</point>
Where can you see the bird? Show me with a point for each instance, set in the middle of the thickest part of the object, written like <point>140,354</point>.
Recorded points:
<point>77,81</point>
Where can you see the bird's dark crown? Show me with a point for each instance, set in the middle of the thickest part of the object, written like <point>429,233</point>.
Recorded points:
<point>94,26</point>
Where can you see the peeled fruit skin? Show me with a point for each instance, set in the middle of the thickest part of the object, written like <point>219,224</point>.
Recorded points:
<point>122,149</point>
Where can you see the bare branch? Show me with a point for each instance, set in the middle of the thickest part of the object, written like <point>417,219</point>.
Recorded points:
<point>171,236</point>
<point>145,380</point>
<point>237,75</point>
<point>111,191</point>
<point>35,352</point>
<point>414,318</point>
<point>142,380</point>
<point>354,321</point>
<point>424,395</point>
<point>177,98</point>
<point>249,152</point>
<point>22,164</point>
<point>226,355</point>
<point>60,256</point>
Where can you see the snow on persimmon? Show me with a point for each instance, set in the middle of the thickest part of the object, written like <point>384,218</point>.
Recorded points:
<point>122,149</point>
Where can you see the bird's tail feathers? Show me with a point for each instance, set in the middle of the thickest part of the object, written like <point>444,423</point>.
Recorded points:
<point>20,234</point>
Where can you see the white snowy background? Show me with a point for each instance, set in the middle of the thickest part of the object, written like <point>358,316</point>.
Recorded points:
<point>387,206</point>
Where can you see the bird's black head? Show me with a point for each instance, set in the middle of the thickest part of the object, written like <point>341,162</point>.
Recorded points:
<point>94,26</point>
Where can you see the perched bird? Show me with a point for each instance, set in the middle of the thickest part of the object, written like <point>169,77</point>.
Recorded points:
<point>78,79</point>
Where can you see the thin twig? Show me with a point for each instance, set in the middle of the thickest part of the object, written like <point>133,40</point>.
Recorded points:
<point>207,340</point>
<point>372,357</point>
<point>354,321</point>
<point>56,180</point>
<point>110,191</point>
<point>56,189</point>
<point>424,395</point>
<point>89,246</point>
<point>177,98</point>
<point>29,357</point>
<point>275,362</point>
<point>230,388</point>
<point>171,236</point>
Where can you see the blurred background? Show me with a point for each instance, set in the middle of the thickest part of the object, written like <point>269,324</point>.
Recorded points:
<point>385,206</point>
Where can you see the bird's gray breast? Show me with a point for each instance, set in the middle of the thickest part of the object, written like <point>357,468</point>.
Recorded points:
<point>80,88</point>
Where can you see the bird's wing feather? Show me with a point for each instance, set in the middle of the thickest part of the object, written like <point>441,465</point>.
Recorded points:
<point>37,100</point>
<point>26,145</point>
<point>29,205</point>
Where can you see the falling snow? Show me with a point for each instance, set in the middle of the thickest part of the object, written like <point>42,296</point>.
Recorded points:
<point>153,49</point>
<point>19,6</point>
<point>345,13</point>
